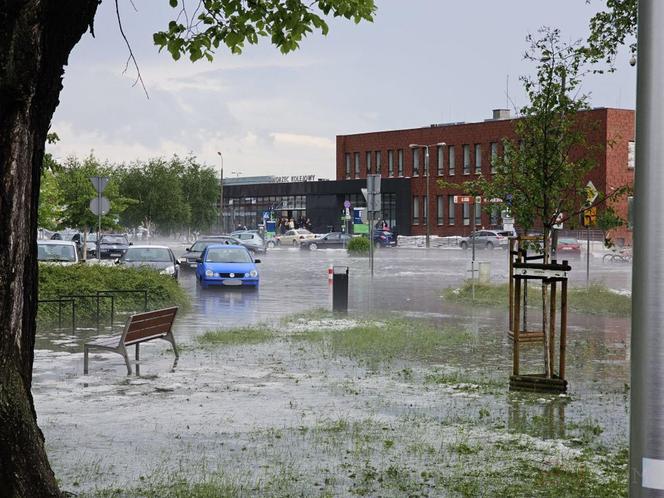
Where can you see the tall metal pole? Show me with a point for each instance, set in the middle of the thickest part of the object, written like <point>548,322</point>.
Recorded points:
<point>427,204</point>
<point>99,224</point>
<point>587,257</point>
<point>221,193</point>
<point>647,353</point>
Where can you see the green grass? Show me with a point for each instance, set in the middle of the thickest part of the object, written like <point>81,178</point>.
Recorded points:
<point>597,299</point>
<point>236,337</point>
<point>386,341</point>
<point>81,279</point>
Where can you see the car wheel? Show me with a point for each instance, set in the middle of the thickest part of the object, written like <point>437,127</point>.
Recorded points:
<point>270,245</point>
<point>313,246</point>
<point>489,245</point>
<point>464,245</point>
<point>295,243</point>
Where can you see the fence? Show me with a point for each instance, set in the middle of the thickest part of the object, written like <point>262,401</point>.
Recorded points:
<point>94,301</point>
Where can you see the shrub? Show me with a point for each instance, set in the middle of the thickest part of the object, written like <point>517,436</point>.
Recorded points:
<point>358,246</point>
<point>83,279</point>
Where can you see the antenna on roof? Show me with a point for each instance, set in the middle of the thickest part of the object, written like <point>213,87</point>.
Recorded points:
<point>507,92</point>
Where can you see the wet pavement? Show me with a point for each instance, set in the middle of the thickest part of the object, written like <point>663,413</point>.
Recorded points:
<point>215,401</point>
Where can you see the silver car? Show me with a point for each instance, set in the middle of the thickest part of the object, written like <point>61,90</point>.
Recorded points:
<point>251,240</point>
<point>487,239</point>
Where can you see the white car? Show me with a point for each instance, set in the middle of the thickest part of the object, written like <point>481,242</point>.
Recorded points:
<point>292,238</point>
<point>62,252</point>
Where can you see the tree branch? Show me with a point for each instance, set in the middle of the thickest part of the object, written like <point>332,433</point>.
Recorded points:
<point>131,57</point>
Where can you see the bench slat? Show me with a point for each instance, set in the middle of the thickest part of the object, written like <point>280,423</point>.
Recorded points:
<point>151,322</point>
<point>151,314</point>
<point>159,329</point>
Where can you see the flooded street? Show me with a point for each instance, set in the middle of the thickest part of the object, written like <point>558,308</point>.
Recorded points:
<point>297,402</point>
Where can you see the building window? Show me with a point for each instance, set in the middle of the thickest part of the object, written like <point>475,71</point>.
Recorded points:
<point>416,210</point>
<point>478,213</point>
<point>390,163</point>
<point>466,159</point>
<point>451,160</point>
<point>347,165</point>
<point>494,156</point>
<point>357,165</point>
<point>478,159</point>
<point>378,162</point>
<point>451,210</point>
<point>466,214</point>
<point>631,154</point>
<point>400,162</point>
<point>440,205</point>
<point>425,210</point>
<point>368,161</point>
<point>416,162</point>
<point>440,164</point>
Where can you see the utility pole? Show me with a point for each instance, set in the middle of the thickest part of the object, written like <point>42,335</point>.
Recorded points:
<point>647,344</point>
<point>427,204</point>
<point>221,194</point>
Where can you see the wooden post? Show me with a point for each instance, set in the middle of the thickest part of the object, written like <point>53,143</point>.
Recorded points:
<point>563,327</point>
<point>517,325</point>
<point>552,327</point>
<point>511,283</point>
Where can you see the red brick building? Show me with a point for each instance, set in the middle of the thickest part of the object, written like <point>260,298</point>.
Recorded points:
<point>468,150</point>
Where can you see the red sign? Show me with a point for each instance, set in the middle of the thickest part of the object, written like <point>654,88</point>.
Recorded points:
<point>461,199</point>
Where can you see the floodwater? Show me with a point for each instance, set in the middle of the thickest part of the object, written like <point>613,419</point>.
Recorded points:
<point>108,429</point>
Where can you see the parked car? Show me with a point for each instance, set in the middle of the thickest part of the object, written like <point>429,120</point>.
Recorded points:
<point>328,241</point>
<point>487,239</point>
<point>384,238</point>
<point>63,252</point>
<point>190,258</point>
<point>567,248</point>
<point>227,265</point>
<point>112,245</point>
<point>292,237</point>
<point>251,240</point>
<point>158,257</point>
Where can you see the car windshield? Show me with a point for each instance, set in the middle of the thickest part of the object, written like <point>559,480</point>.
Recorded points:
<point>227,255</point>
<point>302,231</point>
<point>567,241</point>
<point>152,254</point>
<point>56,252</point>
<point>113,239</point>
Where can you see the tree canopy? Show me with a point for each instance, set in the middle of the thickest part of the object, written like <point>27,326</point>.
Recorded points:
<point>610,29</point>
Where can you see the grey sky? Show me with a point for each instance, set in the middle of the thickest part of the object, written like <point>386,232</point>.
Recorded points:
<point>420,62</point>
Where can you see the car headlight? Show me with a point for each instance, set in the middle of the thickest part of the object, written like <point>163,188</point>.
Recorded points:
<point>169,270</point>
<point>209,273</point>
<point>253,273</point>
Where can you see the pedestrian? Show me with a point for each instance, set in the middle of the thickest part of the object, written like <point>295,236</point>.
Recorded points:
<point>291,224</point>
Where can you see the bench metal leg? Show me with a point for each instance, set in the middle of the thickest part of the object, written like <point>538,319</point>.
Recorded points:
<point>123,351</point>
<point>170,338</point>
<point>85,360</point>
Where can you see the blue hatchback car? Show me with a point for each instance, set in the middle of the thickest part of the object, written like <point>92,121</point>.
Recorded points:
<point>227,265</point>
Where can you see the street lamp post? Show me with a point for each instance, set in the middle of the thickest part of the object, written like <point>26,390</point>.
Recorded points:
<point>221,194</point>
<point>427,205</point>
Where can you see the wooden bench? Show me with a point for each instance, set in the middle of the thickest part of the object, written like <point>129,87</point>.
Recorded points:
<point>140,327</point>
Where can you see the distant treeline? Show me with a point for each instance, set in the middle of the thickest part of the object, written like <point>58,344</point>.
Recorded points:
<point>166,195</point>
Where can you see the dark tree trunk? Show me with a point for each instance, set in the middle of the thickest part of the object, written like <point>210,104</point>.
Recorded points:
<point>36,37</point>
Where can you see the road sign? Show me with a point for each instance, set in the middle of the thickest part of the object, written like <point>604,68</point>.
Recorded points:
<point>99,183</point>
<point>374,203</point>
<point>591,192</point>
<point>589,217</point>
<point>100,205</point>
<point>460,199</point>
<point>266,215</point>
<point>373,184</point>
<point>346,204</point>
